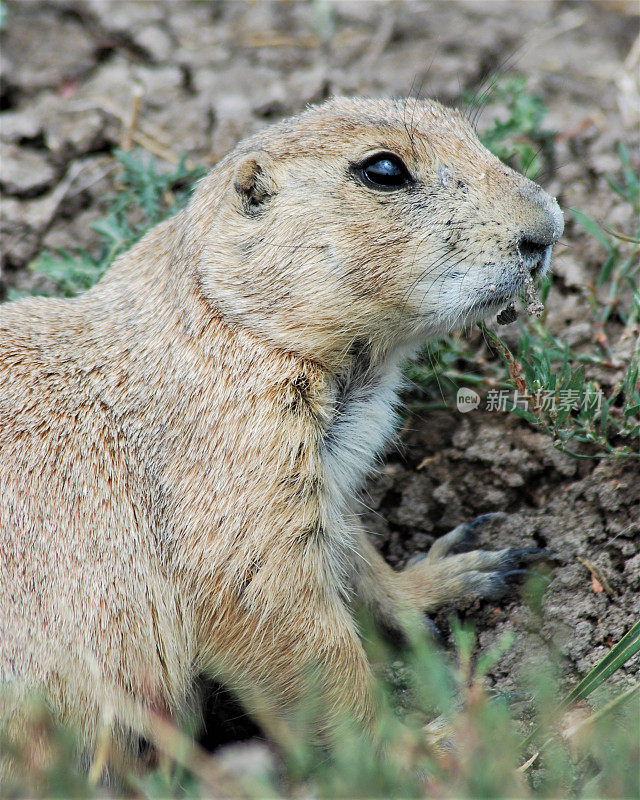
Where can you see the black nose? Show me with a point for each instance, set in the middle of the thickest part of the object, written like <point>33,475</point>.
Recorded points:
<point>543,222</point>
<point>532,250</point>
<point>542,226</point>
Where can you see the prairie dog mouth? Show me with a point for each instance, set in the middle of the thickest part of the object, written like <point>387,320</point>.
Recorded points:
<point>507,315</point>
<point>536,264</point>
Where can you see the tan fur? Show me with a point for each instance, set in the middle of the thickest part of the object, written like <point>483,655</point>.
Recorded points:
<point>182,446</point>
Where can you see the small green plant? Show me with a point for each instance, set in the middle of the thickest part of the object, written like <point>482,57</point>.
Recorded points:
<point>560,401</point>
<point>146,195</point>
<point>516,134</point>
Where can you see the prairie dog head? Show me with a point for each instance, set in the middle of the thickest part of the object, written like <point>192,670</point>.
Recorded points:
<point>380,220</point>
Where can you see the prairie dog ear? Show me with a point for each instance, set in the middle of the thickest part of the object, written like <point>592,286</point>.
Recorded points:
<point>253,181</point>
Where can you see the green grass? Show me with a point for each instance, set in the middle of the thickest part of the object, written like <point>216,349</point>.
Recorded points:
<point>538,740</point>
<point>516,134</point>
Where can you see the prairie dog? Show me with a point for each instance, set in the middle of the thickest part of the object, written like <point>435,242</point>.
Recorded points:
<point>182,447</point>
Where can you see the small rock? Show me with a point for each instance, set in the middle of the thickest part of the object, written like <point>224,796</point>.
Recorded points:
<point>123,16</point>
<point>112,81</point>
<point>23,124</point>
<point>74,234</point>
<point>156,41</point>
<point>72,133</point>
<point>413,509</point>
<point>444,494</point>
<point>463,436</point>
<point>233,120</point>
<point>160,85</point>
<point>571,270</point>
<point>578,333</point>
<point>31,38</point>
<point>25,172</point>
<point>495,498</point>
<point>18,240</point>
<point>306,86</point>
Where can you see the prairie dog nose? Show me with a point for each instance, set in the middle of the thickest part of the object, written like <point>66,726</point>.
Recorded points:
<point>543,223</point>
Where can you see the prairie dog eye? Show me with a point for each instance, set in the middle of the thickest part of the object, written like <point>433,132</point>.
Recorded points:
<point>385,172</point>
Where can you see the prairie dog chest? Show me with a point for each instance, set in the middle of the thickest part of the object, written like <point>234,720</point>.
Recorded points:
<point>363,419</point>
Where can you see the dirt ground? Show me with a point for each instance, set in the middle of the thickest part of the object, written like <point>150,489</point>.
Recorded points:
<point>207,74</point>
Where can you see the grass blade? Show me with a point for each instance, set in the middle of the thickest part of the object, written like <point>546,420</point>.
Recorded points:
<point>592,227</point>
<point>619,654</point>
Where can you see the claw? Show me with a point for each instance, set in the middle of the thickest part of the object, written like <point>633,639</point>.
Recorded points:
<point>517,575</point>
<point>464,537</point>
<point>526,555</point>
<point>459,570</point>
<point>485,519</point>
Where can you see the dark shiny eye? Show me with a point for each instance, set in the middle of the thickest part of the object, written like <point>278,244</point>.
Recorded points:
<point>384,171</point>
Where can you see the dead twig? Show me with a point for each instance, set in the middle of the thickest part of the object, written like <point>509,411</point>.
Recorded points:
<point>129,129</point>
